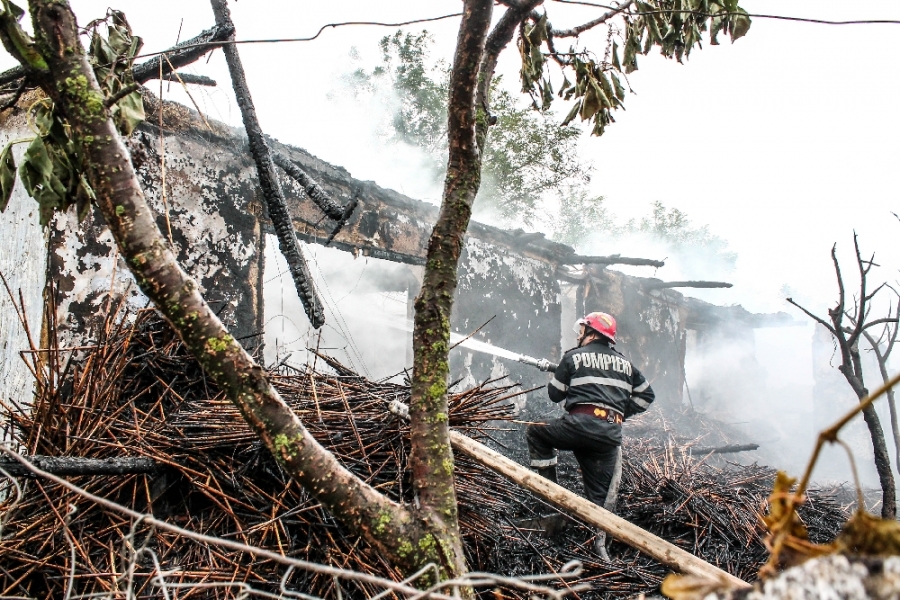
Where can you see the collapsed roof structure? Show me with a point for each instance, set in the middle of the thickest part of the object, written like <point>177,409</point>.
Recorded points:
<point>213,214</point>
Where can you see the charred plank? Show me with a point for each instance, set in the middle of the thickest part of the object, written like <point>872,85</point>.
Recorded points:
<point>268,179</point>
<point>76,465</point>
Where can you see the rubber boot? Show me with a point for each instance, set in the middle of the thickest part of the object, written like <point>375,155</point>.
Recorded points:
<point>548,473</point>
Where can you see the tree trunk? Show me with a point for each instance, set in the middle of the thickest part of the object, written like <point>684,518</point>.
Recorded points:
<point>879,446</point>
<point>69,81</point>
<point>882,463</point>
<point>882,358</point>
<point>431,458</point>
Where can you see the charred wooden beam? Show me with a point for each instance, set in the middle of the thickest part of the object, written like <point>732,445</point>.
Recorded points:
<point>268,179</point>
<point>658,285</point>
<point>729,449</point>
<point>348,212</point>
<point>332,209</point>
<point>184,53</point>
<point>10,75</point>
<point>191,79</point>
<point>360,250</point>
<point>74,465</point>
<point>315,192</point>
<point>613,259</point>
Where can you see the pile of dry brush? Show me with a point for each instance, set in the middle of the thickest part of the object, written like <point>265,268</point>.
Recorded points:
<point>136,392</point>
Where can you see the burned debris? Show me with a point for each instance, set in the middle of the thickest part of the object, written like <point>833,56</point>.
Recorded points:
<point>138,393</point>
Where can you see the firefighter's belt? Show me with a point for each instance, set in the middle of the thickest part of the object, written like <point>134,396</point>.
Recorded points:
<point>607,414</point>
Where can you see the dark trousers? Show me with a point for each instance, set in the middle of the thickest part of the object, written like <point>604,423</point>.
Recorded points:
<point>596,445</point>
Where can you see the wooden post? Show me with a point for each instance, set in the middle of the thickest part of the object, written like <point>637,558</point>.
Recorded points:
<point>622,530</point>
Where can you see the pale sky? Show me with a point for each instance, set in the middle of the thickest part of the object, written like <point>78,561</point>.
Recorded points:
<point>783,142</point>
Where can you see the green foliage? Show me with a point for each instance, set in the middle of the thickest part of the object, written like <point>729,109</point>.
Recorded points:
<point>582,216</point>
<point>15,37</point>
<point>673,226</point>
<point>52,169</point>
<point>673,229</point>
<point>675,27</point>
<point>528,155</point>
<point>530,162</point>
<point>586,223</point>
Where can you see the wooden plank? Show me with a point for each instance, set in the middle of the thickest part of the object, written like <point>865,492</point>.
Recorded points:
<point>622,530</point>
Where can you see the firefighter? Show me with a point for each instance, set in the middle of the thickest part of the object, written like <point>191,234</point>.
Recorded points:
<point>600,388</point>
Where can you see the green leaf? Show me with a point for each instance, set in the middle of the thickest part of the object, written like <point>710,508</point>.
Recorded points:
<point>615,57</point>
<point>130,113</point>
<point>84,196</point>
<point>18,38</point>
<point>599,126</point>
<point>601,95</point>
<point>119,39</point>
<point>15,11</point>
<point>591,103</point>
<point>572,113</point>
<point>566,84</point>
<point>538,33</point>
<point>620,89</point>
<point>37,169</point>
<point>608,93</point>
<point>546,94</point>
<point>41,174</point>
<point>101,51</point>
<point>653,28</point>
<point>7,176</point>
<point>632,47</point>
<point>740,25</point>
<point>716,25</point>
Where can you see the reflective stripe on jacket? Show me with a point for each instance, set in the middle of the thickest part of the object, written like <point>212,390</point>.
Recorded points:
<point>597,374</point>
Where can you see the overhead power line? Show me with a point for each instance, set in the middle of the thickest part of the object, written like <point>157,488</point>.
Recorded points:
<point>310,38</point>
<point>578,2</point>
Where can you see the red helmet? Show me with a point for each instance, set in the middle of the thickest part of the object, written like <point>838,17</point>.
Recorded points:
<point>602,323</point>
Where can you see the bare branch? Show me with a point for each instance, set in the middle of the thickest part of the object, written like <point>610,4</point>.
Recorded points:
<point>576,31</point>
<point>818,320</point>
<point>878,289</point>
<point>128,89</point>
<point>14,74</point>
<point>879,322</point>
<point>893,334</point>
<point>312,188</point>
<point>496,41</point>
<point>838,312</point>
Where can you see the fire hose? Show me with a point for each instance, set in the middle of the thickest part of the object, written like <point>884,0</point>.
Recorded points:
<point>539,363</point>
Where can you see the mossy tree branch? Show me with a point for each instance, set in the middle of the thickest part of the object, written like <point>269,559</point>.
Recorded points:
<point>431,458</point>
<point>69,81</point>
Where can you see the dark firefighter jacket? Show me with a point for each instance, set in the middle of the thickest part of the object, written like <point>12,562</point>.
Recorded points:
<point>597,374</point>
